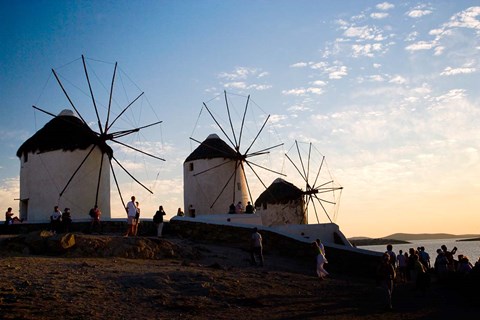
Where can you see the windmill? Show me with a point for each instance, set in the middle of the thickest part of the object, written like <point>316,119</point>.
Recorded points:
<point>322,193</point>
<point>98,141</point>
<point>215,174</point>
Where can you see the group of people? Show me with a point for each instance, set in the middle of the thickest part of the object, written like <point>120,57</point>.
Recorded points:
<point>133,218</point>
<point>415,266</point>
<point>238,208</point>
<point>60,221</point>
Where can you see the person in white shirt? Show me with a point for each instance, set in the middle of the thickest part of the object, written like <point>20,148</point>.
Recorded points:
<point>131,214</point>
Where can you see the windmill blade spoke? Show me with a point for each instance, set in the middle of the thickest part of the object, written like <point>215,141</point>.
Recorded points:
<point>301,162</point>
<point>116,183</point>
<point>230,120</point>
<point>99,177</point>
<point>219,126</point>
<point>66,95</point>
<point>298,170</point>
<point>319,170</point>
<point>308,162</point>
<point>258,177</point>
<point>214,167</point>
<point>243,120</point>
<point>235,179</point>
<point>123,133</point>
<point>110,99</point>
<point>91,94</point>
<point>331,189</point>
<point>320,201</point>
<point>114,120</point>
<point>224,187</point>
<point>78,168</point>
<point>315,209</point>
<point>246,182</point>
<point>131,176</point>
<point>263,151</point>
<point>256,137</point>
<point>136,149</point>
<point>265,168</point>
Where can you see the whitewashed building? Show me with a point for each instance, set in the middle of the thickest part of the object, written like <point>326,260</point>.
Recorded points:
<point>205,174</point>
<point>281,204</point>
<point>49,160</point>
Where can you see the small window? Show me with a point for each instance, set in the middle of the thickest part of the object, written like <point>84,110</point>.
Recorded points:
<point>190,166</point>
<point>264,205</point>
<point>239,186</point>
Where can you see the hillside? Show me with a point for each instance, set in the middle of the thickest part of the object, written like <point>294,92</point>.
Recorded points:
<point>428,236</point>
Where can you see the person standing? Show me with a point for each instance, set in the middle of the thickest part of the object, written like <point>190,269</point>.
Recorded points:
<point>249,208</point>
<point>393,256</point>
<point>131,209</point>
<point>95,214</point>
<point>180,213</point>
<point>66,220</point>
<point>256,247</point>
<point>56,219</point>
<point>239,207</point>
<point>137,218</point>
<point>386,276</point>
<point>158,220</point>
<point>321,259</point>
<point>191,211</point>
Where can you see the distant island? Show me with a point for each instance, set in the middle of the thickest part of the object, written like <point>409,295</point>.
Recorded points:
<point>403,238</point>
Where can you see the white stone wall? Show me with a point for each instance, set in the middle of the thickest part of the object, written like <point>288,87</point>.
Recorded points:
<point>44,176</point>
<point>282,214</point>
<point>202,190</point>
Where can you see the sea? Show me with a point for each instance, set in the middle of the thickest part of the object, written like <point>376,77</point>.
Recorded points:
<point>471,249</point>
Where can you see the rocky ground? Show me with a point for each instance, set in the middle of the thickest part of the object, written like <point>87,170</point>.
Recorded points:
<point>111,277</point>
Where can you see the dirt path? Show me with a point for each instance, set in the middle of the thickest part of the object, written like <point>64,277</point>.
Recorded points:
<point>219,285</point>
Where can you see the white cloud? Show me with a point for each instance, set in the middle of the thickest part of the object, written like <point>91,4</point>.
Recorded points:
<point>238,73</point>
<point>259,87</point>
<point>412,36</point>
<point>376,78</point>
<point>417,13</point>
<point>262,74</point>
<point>454,94</point>
<point>319,83</point>
<point>303,91</point>
<point>420,45</point>
<point>236,85</point>
<point>276,118</point>
<point>385,6</point>
<point>439,50</point>
<point>298,108</point>
<point>337,72</point>
<point>379,15</point>
<point>377,65</point>
<point>398,80</point>
<point>366,50</point>
<point>466,19</point>
<point>449,71</point>
<point>299,65</point>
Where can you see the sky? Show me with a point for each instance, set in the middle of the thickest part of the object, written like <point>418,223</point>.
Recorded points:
<point>386,91</point>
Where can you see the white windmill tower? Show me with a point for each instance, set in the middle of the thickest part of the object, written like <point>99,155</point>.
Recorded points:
<point>49,158</point>
<point>66,163</point>
<point>215,172</point>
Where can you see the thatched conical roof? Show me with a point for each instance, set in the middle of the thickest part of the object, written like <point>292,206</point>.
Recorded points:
<point>280,191</point>
<point>64,132</point>
<point>212,147</point>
